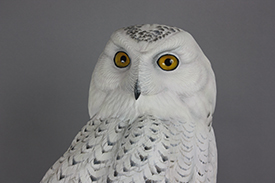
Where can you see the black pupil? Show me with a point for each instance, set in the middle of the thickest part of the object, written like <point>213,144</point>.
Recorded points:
<point>123,59</point>
<point>168,62</point>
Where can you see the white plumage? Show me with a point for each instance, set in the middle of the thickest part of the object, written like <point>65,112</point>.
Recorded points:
<point>151,101</point>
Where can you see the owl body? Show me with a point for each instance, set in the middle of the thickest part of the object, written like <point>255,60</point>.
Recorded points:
<point>151,101</point>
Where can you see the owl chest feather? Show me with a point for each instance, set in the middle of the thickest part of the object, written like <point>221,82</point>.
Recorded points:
<point>148,149</point>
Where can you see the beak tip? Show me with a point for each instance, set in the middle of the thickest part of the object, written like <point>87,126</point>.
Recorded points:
<point>137,94</point>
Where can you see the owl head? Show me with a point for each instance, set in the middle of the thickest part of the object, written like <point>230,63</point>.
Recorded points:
<point>154,69</point>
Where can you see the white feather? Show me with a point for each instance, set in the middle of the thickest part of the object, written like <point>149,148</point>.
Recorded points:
<point>163,136</point>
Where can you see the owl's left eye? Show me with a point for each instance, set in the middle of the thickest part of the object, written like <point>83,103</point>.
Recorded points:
<point>121,59</point>
<point>168,62</point>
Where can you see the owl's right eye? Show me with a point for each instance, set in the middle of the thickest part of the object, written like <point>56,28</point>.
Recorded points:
<point>121,59</point>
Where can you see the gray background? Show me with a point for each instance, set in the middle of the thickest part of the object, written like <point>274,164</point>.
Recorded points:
<point>48,50</point>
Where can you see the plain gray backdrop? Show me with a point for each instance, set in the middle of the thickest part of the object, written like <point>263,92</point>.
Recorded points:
<point>48,50</point>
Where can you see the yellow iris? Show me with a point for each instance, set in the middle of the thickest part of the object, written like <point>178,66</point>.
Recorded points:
<point>168,62</point>
<point>121,59</point>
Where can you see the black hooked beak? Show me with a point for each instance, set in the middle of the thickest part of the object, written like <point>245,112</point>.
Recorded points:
<point>137,90</point>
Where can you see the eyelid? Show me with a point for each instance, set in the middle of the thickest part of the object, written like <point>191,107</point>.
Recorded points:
<point>172,51</point>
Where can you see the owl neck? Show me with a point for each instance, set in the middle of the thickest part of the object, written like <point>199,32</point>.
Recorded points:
<point>163,106</point>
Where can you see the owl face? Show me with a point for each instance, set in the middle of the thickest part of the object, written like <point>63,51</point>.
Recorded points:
<point>152,62</point>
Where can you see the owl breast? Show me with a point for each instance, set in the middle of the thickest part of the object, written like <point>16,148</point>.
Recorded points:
<point>147,150</point>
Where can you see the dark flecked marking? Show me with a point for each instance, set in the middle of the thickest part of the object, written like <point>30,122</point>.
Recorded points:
<point>138,33</point>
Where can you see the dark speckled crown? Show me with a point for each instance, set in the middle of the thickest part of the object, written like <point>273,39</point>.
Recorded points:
<point>150,33</point>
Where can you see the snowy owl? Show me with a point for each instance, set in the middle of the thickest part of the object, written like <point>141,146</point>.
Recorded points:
<point>151,101</point>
